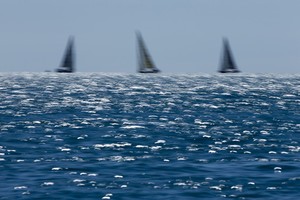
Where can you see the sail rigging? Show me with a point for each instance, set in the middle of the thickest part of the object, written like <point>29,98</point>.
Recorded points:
<point>228,64</point>
<point>145,62</point>
<point>67,64</point>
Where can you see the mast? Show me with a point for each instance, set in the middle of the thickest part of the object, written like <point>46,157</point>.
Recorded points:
<point>228,64</point>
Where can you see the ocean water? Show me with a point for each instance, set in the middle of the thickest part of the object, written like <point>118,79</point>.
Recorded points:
<point>122,136</point>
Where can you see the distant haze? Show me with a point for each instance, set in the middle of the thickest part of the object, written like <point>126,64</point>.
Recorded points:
<point>183,36</point>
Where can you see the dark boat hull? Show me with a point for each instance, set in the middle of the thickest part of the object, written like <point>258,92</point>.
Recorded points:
<point>229,71</point>
<point>63,71</point>
<point>149,71</point>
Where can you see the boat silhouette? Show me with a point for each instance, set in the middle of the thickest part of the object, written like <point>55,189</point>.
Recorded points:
<point>145,62</point>
<point>68,64</point>
<point>227,64</point>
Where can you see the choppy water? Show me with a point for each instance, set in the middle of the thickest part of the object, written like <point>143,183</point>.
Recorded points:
<point>114,136</point>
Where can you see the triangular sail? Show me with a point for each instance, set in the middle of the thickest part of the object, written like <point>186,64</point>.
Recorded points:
<point>227,61</point>
<point>145,62</point>
<point>67,64</point>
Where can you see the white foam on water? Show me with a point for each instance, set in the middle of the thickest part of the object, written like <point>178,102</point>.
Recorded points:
<point>216,188</point>
<point>133,127</point>
<point>141,146</point>
<point>23,187</point>
<point>107,196</point>
<point>48,184</point>
<point>199,121</point>
<point>56,168</point>
<point>92,174</point>
<point>112,145</point>
<point>271,188</point>
<point>78,180</point>
<point>65,149</point>
<point>160,142</point>
<point>237,187</point>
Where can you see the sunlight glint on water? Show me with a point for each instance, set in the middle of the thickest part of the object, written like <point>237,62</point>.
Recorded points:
<point>116,136</point>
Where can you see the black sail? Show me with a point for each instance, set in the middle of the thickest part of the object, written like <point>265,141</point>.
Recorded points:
<point>228,64</point>
<point>67,64</point>
<point>145,62</point>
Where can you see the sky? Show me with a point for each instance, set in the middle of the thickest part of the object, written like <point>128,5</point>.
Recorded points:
<point>183,36</point>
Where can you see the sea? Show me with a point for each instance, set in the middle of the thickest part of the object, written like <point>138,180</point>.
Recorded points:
<point>149,136</point>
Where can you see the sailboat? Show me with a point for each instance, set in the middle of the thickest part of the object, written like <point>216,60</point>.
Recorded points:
<point>228,64</point>
<point>145,62</point>
<point>67,64</point>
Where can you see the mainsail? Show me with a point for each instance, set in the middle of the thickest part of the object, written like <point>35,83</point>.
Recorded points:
<point>67,64</point>
<point>227,62</point>
<point>145,62</point>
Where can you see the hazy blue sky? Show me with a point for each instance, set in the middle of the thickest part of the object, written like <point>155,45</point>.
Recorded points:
<point>181,35</point>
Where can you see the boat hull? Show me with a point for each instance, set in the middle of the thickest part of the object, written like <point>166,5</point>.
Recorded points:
<point>149,72</point>
<point>229,71</point>
<point>63,71</point>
